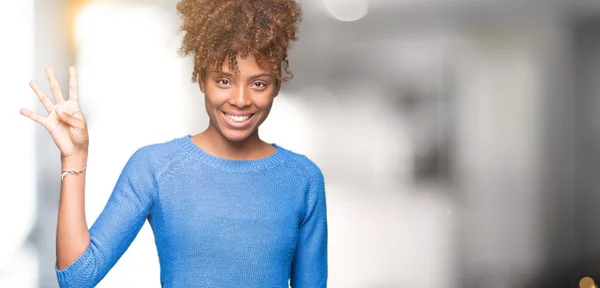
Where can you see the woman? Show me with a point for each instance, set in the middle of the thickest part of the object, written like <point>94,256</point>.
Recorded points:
<point>226,208</point>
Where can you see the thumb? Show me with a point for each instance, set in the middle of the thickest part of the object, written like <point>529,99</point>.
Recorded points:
<point>70,119</point>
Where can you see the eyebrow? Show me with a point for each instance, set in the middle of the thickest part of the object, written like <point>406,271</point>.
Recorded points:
<point>261,75</point>
<point>227,74</point>
<point>221,73</point>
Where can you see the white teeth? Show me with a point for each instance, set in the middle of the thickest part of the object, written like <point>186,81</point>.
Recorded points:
<point>236,118</point>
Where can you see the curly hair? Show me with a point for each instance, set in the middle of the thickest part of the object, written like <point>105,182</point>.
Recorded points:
<point>219,30</point>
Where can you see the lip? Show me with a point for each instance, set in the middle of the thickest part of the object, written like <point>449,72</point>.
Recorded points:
<point>237,113</point>
<point>238,125</point>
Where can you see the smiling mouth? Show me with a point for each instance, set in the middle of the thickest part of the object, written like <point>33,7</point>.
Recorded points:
<point>238,118</point>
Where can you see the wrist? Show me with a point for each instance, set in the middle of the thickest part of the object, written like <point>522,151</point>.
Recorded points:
<point>77,160</point>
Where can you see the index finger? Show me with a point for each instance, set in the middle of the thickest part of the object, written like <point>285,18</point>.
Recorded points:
<point>73,86</point>
<point>41,95</point>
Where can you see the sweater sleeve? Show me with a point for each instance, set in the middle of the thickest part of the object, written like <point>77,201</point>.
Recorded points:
<point>309,265</point>
<point>118,224</point>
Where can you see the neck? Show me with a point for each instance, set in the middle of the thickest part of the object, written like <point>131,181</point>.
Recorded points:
<point>213,142</point>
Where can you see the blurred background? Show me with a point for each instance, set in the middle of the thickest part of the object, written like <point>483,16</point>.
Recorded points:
<point>459,139</point>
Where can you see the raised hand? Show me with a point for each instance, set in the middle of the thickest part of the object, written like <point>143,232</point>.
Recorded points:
<point>65,121</point>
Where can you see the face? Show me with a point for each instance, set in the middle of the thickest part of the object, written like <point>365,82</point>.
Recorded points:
<point>238,103</point>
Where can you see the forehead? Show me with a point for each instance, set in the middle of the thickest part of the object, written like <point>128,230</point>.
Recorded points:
<point>246,66</point>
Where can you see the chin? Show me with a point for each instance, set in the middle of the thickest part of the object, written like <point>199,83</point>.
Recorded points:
<point>236,136</point>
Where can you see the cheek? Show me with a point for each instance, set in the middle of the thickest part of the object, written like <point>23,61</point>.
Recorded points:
<point>264,103</point>
<point>214,98</point>
<point>212,108</point>
<point>210,103</point>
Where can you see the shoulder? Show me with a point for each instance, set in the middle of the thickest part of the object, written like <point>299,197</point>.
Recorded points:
<point>306,167</point>
<point>314,189</point>
<point>155,157</point>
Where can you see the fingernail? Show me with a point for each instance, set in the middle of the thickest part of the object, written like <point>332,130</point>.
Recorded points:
<point>59,112</point>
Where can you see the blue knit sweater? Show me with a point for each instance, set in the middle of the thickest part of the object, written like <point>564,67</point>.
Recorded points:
<point>216,222</point>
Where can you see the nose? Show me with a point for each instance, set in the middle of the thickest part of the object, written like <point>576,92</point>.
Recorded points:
<point>240,97</point>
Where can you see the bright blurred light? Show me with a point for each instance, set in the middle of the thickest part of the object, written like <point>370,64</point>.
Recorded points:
<point>18,198</point>
<point>347,10</point>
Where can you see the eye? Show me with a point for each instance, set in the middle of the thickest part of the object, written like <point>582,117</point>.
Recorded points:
<point>223,82</point>
<point>260,84</point>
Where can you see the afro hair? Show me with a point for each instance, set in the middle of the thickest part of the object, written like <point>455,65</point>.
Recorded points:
<point>220,30</point>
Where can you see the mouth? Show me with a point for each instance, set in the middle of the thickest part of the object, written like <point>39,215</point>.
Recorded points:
<point>238,121</point>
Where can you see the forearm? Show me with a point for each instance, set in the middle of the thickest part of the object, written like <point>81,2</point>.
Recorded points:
<point>72,237</point>
<point>310,262</point>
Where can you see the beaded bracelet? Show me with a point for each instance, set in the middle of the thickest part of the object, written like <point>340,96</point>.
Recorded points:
<point>71,171</point>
